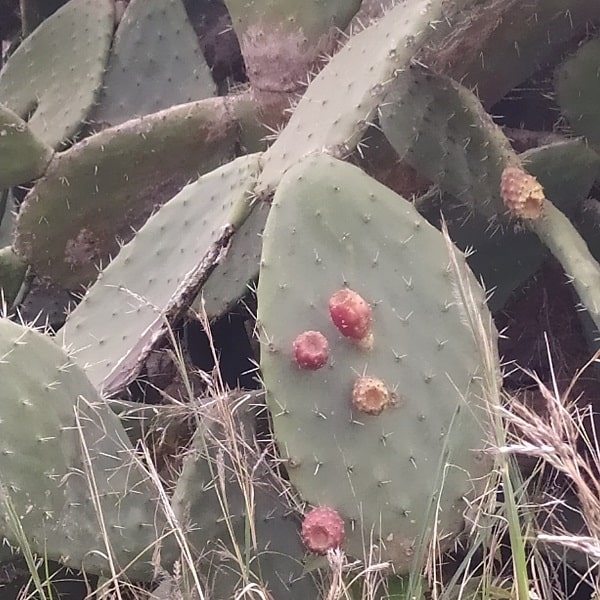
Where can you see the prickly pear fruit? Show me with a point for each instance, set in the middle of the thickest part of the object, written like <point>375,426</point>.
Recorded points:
<point>522,193</point>
<point>370,395</point>
<point>351,314</point>
<point>322,530</point>
<point>311,350</point>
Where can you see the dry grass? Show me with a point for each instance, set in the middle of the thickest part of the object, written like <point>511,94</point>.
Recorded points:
<point>562,436</point>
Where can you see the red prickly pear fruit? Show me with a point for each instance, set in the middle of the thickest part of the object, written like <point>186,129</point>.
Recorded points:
<point>322,530</point>
<point>351,314</point>
<point>370,395</point>
<point>310,350</point>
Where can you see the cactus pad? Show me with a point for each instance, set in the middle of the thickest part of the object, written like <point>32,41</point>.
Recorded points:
<point>578,91</point>
<point>156,62</point>
<point>282,40</point>
<point>56,72</point>
<point>93,194</point>
<point>227,496</point>
<point>440,128</point>
<point>416,448</point>
<point>154,274</point>
<point>66,465</point>
<point>358,76</point>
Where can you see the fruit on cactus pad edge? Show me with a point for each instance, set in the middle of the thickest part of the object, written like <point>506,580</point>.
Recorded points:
<point>322,530</point>
<point>522,193</point>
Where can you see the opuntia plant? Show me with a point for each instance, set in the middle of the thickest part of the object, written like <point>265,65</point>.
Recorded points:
<point>363,195</point>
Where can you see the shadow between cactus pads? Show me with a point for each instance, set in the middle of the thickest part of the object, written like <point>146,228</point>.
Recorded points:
<point>390,473</point>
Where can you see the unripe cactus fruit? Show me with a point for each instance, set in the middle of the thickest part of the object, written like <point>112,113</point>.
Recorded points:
<point>351,314</point>
<point>310,350</point>
<point>370,395</point>
<point>522,193</point>
<point>322,530</point>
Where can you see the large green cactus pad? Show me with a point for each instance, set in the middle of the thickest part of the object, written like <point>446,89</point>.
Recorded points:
<point>56,72</point>
<point>66,465</point>
<point>155,62</point>
<point>281,40</point>
<point>331,226</point>
<point>156,273</point>
<point>514,41</point>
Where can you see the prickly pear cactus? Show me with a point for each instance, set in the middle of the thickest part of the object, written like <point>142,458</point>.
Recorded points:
<point>468,140</point>
<point>69,483</point>
<point>440,128</point>
<point>505,256</point>
<point>93,194</point>
<point>282,40</point>
<point>387,424</point>
<point>519,40</point>
<point>578,91</point>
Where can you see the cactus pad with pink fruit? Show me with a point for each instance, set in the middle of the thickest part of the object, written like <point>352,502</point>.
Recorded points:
<point>391,435</point>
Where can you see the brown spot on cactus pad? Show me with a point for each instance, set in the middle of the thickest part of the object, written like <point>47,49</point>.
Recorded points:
<point>322,530</point>
<point>370,395</point>
<point>310,350</point>
<point>351,314</point>
<point>521,192</point>
<point>83,249</point>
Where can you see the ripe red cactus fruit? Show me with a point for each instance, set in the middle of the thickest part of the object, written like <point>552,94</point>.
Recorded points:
<point>322,530</point>
<point>370,395</point>
<point>352,315</point>
<point>310,350</point>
